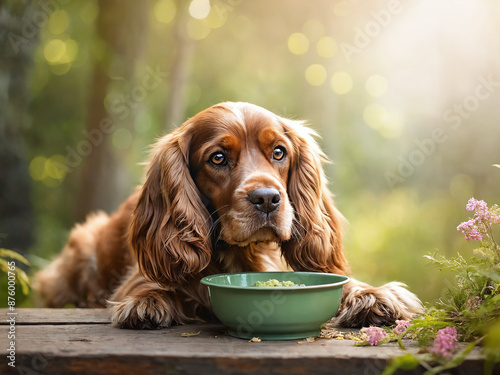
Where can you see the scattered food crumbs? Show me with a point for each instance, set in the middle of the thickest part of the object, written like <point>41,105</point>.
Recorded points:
<point>309,339</point>
<point>185,334</point>
<point>338,335</point>
<point>354,337</point>
<point>255,339</point>
<point>331,334</point>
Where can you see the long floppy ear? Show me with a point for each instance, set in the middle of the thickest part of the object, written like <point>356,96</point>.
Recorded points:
<point>317,241</point>
<point>169,233</point>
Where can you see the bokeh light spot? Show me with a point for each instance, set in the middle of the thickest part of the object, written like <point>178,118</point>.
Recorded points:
<point>217,17</point>
<point>341,83</point>
<point>70,53</point>
<point>54,50</point>
<point>198,29</point>
<point>389,125</point>
<point>298,43</point>
<point>56,167</point>
<point>89,12</point>
<point>314,29</point>
<point>376,85</point>
<point>341,8</point>
<point>199,9</point>
<point>122,139</point>
<point>316,74</point>
<point>37,168</point>
<point>393,126</point>
<point>242,27</point>
<point>375,115</point>
<point>51,182</point>
<point>58,22</point>
<point>165,11</point>
<point>60,69</point>
<point>326,47</point>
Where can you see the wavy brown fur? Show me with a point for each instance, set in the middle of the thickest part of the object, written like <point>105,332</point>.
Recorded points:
<point>193,218</point>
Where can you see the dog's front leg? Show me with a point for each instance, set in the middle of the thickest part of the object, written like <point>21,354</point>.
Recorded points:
<point>364,305</point>
<point>141,304</point>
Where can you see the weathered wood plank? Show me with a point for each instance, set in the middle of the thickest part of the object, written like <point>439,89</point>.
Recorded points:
<point>58,316</point>
<point>213,341</point>
<point>89,348</point>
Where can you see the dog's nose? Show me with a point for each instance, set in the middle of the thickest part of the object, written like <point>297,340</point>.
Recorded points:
<point>265,199</point>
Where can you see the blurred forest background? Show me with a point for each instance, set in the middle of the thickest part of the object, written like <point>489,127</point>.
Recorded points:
<point>405,94</point>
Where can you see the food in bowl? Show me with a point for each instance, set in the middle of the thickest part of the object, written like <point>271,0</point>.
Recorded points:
<point>278,312</point>
<point>274,283</point>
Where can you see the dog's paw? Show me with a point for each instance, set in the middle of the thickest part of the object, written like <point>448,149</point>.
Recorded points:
<point>377,306</point>
<point>146,312</point>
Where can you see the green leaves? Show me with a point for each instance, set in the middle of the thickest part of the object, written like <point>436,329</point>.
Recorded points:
<point>8,266</point>
<point>472,306</point>
<point>406,362</point>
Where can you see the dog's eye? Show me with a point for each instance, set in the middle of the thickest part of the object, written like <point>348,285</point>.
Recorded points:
<point>218,159</point>
<point>279,153</point>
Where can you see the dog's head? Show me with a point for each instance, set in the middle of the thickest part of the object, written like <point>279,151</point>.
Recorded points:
<point>240,174</point>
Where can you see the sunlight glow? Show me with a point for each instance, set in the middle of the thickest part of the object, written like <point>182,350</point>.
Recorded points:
<point>298,44</point>
<point>122,139</point>
<point>37,168</point>
<point>54,50</point>
<point>55,167</point>
<point>376,85</point>
<point>462,186</point>
<point>89,12</point>
<point>316,74</point>
<point>216,18</point>
<point>58,22</point>
<point>388,124</point>
<point>199,9</point>
<point>326,47</point>
<point>165,11</point>
<point>314,29</point>
<point>341,83</point>
<point>198,29</point>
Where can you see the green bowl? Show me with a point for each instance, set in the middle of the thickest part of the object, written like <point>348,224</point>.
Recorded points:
<point>275,313</point>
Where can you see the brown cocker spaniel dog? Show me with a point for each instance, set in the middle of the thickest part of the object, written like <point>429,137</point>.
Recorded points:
<point>235,188</point>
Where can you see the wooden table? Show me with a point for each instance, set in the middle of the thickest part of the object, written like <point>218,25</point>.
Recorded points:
<point>66,341</point>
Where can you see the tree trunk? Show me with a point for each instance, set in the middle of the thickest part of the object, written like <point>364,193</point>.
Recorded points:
<point>179,73</point>
<point>19,31</point>
<point>122,27</point>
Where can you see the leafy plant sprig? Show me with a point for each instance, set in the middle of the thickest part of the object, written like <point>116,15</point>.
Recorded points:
<point>470,310</point>
<point>21,276</point>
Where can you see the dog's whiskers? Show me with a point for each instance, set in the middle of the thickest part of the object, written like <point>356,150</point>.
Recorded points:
<point>297,226</point>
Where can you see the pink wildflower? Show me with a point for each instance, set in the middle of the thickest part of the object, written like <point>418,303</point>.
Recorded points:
<point>401,326</point>
<point>474,205</point>
<point>445,342</point>
<point>470,230</point>
<point>375,335</point>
